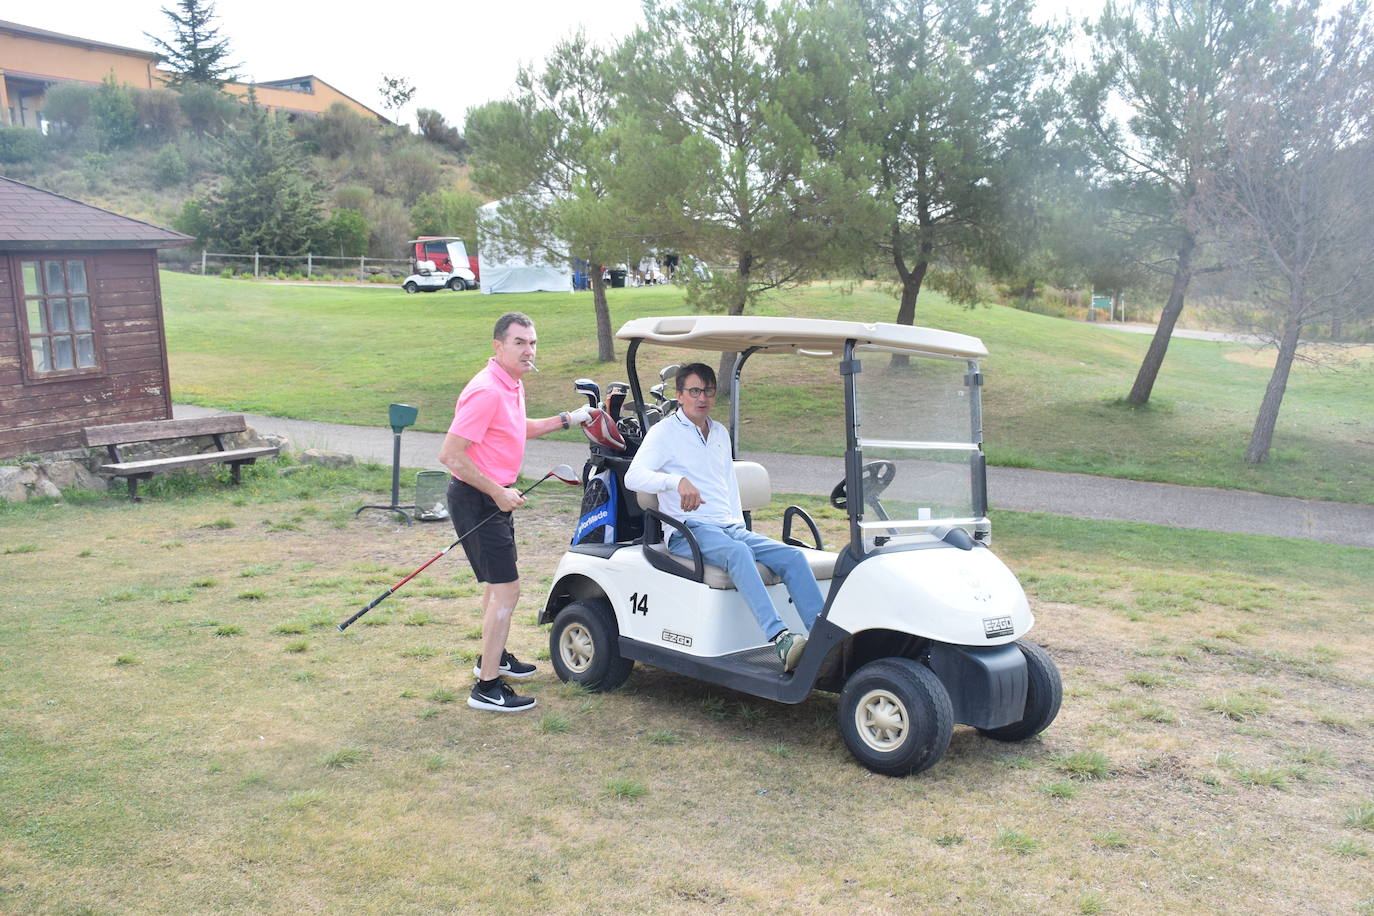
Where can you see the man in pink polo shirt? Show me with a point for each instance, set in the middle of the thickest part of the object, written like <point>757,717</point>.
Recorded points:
<point>483,451</point>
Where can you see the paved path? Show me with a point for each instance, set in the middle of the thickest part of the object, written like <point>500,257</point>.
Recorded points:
<point>1075,495</point>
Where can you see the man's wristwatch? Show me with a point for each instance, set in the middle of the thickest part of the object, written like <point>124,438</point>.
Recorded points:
<point>563,418</point>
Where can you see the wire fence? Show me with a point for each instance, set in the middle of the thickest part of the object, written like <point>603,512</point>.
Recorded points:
<point>304,266</point>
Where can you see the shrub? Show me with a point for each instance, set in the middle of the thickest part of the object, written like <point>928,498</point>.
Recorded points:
<point>169,169</point>
<point>114,112</point>
<point>206,109</point>
<point>412,171</point>
<point>339,131</point>
<point>353,197</point>
<point>68,107</point>
<point>159,114</point>
<point>388,229</point>
<point>435,129</point>
<point>20,144</point>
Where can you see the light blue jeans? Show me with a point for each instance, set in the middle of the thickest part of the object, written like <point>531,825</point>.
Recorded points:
<point>734,548</point>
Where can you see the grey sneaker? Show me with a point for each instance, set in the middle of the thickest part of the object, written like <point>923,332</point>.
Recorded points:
<point>789,646</point>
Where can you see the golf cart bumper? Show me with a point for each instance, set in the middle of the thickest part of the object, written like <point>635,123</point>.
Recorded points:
<point>986,684</point>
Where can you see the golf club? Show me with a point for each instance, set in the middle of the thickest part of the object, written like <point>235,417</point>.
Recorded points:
<point>564,473</point>
<point>590,389</point>
<point>615,398</point>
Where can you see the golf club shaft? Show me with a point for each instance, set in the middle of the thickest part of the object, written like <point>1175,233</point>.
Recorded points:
<point>395,588</point>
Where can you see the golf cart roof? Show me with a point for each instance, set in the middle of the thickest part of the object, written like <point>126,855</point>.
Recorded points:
<point>809,336</point>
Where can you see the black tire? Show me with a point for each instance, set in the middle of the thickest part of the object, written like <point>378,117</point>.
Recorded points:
<point>411,286</point>
<point>584,646</point>
<point>457,284</point>
<point>895,716</point>
<point>1044,692</point>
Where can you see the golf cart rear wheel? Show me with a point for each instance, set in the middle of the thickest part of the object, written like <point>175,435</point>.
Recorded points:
<point>411,286</point>
<point>1044,691</point>
<point>895,716</point>
<point>583,645</point>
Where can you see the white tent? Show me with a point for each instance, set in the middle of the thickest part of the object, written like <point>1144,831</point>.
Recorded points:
<point>505,271</point>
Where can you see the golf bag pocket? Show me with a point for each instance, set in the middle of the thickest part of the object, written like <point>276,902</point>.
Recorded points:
<point>600,505</point>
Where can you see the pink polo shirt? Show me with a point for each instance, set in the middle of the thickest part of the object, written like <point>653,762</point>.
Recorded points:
<point>490,414</point>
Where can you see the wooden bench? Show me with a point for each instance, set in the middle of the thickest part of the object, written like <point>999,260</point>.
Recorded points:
<point>125,434</point>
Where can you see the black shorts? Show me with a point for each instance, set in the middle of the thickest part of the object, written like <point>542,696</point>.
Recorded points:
<point>491,548</point>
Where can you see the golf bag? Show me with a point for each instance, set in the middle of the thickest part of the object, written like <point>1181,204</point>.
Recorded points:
<point>609,510</point>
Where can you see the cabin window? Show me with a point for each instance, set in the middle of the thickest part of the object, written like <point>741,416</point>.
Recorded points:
<point>59,318</point>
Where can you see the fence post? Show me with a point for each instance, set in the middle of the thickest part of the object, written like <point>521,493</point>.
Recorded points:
<point>362,266</point>
<point>255,265</point>
<point>309,265</point>
<point>202,262</point>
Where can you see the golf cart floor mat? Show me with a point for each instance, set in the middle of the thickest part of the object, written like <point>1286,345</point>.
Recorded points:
<point>757,671</point>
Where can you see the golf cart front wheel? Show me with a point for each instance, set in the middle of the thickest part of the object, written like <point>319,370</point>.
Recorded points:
<point>411,286</point>
<point>895,716</point>
<point>457,284</point>
<point>583,645</point>
<point>1044,692</point>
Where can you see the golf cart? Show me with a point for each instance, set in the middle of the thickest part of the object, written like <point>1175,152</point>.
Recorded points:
<point>428,279</point>
<point>923,626</point>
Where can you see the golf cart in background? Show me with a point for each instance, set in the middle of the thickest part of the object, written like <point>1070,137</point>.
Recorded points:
<point>440,263</point>
<point>923,626</point>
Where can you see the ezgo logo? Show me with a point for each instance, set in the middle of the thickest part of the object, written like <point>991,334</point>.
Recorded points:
<point>678,638</point>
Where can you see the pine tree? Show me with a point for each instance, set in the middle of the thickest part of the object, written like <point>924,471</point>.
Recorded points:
<point>195,55</point>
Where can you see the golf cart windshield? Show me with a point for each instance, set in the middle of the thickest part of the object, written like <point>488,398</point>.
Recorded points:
<point>919,431</point>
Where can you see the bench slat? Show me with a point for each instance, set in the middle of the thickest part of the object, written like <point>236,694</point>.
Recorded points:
<point>154,430</point>
<point>129,468</point>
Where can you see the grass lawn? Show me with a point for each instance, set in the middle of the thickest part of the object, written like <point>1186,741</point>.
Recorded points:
<point>1052,394</point>
<point>182,730</point>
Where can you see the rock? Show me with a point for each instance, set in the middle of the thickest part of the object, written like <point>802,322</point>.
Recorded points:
<point>45,487</point>
<point>325,458</point>
<point>64,474</point>
<point>282,443</point>
<point>15,481</point>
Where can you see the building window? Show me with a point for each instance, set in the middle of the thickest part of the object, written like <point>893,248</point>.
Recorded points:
<point>59,318</point>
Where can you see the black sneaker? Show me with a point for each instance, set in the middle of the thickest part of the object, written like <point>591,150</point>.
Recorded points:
<point>510,666</point>
<point>498,698</point>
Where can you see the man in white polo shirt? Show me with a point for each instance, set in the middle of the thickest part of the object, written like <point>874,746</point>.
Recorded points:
<point>687,460</point>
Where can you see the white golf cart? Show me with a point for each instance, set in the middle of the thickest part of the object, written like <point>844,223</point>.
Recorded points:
<point>428,279</point>
<point>923,625</point>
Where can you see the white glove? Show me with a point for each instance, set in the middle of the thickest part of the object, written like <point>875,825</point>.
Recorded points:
<point>582,415</point>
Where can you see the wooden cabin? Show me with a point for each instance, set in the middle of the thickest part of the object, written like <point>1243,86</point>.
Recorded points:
<point>81,331</point>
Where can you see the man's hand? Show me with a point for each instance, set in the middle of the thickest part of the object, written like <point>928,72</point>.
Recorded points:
<point>689,495</point>
<point>581,415</point>
<point>508,500</point>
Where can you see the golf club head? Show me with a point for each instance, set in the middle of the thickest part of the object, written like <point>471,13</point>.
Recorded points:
<point>566,474</point>
<point>668,372</point>
<point>590,389</point>
<point>615,398</point>
<point>657,392</point>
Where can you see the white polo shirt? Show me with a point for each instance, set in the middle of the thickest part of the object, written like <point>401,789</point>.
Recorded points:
<point>674,449</point>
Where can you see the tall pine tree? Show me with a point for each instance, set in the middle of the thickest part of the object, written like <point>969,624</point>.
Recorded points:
<point>196,53</point>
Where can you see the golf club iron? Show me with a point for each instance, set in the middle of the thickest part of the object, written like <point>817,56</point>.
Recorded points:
<point>564,473</point>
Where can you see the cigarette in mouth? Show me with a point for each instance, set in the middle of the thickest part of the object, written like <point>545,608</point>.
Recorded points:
<point>533,366</point>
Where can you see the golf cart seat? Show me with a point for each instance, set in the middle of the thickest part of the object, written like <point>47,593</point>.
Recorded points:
<point>755,492</point>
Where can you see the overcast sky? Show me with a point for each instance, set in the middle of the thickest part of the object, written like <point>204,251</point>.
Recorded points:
<point>456,54</point>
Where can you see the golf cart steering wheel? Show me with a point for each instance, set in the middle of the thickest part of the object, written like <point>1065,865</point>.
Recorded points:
<point>876,476</point>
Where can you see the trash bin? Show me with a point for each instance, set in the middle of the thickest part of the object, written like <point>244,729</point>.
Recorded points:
<point>617,279</point>
<point>431,496</point>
